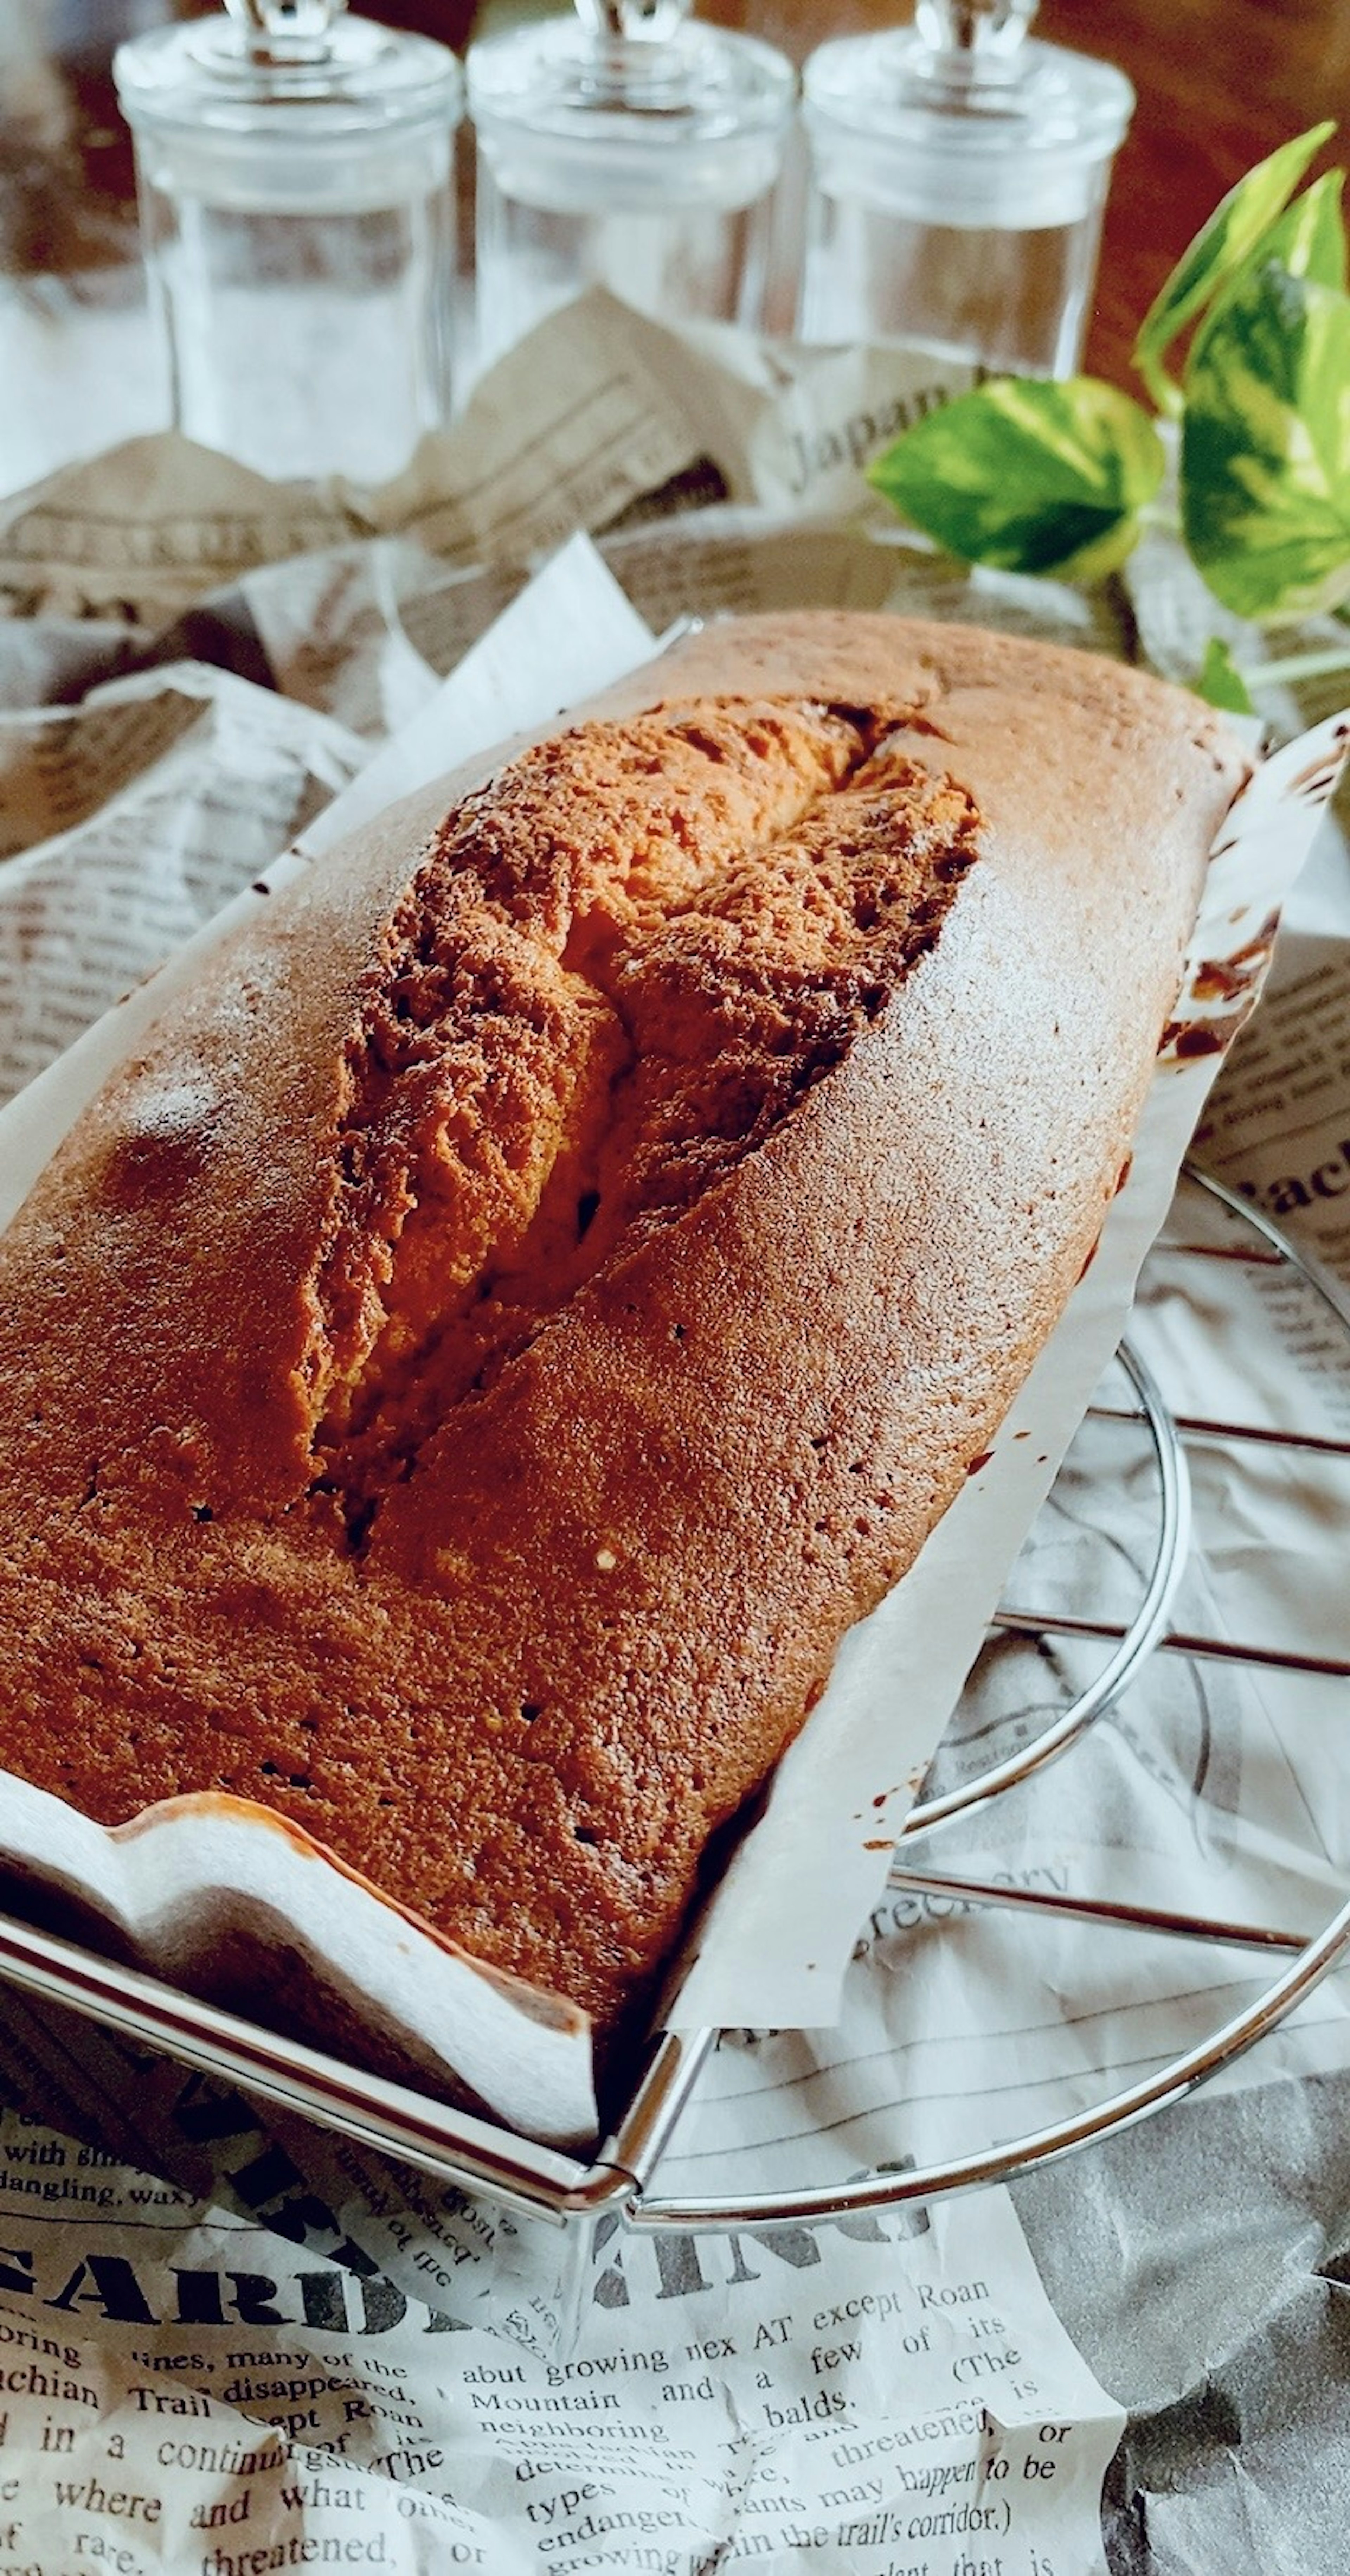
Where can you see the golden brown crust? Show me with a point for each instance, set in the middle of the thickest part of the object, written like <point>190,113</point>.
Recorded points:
<point>459,1385</point>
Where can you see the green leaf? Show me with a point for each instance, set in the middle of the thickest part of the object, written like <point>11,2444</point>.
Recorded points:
<point>1030,476</point>
<point>1221,682</point>
<point>1221,247</point>
<point>1265,454</point>
<point>1309,237</point>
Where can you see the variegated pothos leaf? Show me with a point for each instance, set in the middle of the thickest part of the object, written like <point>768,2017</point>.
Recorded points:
<point>1265,456</point>
<point>1309,237</point>
<point>1222,246</point>
<point>1028,475</point>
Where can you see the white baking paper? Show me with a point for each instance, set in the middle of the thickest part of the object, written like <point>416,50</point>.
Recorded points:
<point>566,638</point>
<point>777,1941</point>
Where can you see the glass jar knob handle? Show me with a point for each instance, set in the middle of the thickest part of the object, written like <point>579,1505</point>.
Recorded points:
<point>980,27</point>
<point>629,21</point>
<point>282,31</point>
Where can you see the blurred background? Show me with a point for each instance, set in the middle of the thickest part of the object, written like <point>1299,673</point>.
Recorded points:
<point>1219,83</point>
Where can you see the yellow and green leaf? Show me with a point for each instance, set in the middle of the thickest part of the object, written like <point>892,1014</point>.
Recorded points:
<point>1029,476</point>
<point>1265,457</point>
<point>1235,230</point>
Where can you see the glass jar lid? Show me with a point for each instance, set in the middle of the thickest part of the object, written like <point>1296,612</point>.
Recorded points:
<point>628,102</point>
<point>302,67</point>
<point>963,119</point>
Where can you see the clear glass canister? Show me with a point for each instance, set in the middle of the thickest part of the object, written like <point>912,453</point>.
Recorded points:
<point>630,148</point>
<point>294,171</point>
<point>959,172</point>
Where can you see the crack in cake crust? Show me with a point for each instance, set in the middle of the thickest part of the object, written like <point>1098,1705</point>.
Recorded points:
<point>573,1031</point>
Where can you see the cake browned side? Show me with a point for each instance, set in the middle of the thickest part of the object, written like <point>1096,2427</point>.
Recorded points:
<point>460,1382</point>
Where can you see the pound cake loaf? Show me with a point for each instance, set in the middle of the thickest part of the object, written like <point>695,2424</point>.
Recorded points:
<point>545,1279</point>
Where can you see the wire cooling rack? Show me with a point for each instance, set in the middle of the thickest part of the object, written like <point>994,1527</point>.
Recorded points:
<point>624,2174</point>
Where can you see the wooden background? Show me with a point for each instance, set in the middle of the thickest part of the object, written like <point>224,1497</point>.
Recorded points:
<point>1219,83</point>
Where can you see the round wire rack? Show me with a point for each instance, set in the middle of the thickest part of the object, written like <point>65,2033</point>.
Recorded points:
<point>1307,1960</point>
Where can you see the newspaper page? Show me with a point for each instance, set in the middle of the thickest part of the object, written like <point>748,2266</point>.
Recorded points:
<point>126,822</point>
<point>182,2388</point>
<point>598,417</point>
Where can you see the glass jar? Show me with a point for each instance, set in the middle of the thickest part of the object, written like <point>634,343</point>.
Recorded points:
<point>293,167</point>
<point>959,173</point>
<point>630,148</point>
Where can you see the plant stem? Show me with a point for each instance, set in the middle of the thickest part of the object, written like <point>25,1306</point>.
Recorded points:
<point>1299,666</point>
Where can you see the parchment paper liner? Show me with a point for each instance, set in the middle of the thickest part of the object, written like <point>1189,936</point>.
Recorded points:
<point>773,1944</point>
